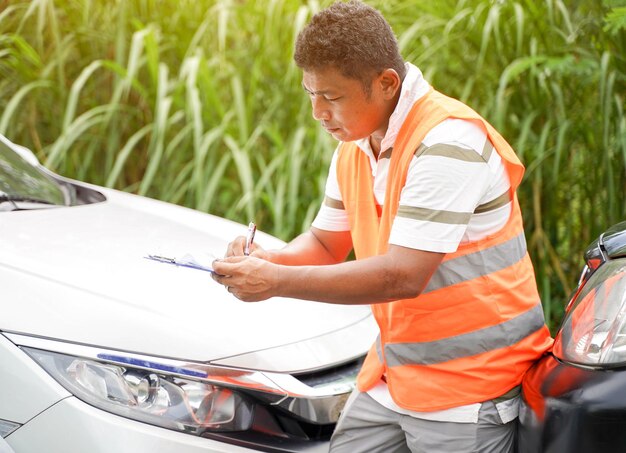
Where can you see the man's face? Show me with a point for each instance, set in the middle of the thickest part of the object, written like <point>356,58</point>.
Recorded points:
<point>343,108</point>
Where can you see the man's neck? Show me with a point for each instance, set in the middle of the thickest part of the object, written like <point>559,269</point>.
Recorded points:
<point>377,137</point>
<point>375,145</point>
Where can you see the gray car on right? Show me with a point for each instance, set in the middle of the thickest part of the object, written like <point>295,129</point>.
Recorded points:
<point>574,399</point>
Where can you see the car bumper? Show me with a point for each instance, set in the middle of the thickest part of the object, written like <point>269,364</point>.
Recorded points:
<point>71,426</point>
<point>572,409</point>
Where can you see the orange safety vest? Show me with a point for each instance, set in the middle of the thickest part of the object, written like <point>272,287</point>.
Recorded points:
<point>478,325</point>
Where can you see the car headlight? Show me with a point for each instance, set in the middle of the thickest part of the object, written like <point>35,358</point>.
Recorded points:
<point>594,330</point>
<point>195,397</point>
<point>181,401</point>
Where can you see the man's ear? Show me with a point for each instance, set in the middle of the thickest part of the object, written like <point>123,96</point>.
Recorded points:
<point>390,83</point>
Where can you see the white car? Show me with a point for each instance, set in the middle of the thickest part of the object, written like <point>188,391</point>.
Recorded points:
<point>103,350</point>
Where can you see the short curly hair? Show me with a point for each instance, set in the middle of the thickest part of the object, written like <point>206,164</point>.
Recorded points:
<point>352,37</point>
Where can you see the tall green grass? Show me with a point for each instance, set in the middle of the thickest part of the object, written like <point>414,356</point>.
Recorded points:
<point>199,103</point>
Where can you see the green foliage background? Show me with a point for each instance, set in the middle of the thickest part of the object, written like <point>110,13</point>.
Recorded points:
<point>199,103</point>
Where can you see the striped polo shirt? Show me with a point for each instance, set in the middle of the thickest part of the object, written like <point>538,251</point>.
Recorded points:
<point>456,188</point>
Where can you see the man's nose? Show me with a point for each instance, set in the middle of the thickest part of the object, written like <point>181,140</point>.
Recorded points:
<point>320,108</point>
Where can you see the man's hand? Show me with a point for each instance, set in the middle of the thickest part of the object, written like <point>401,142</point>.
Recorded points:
<point>313,247</point>
<point>237,247</point>
<point>248,278</point>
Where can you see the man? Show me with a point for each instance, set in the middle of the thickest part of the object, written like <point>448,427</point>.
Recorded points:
<point>423,189</point>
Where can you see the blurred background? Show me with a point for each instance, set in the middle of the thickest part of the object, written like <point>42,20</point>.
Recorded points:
<point>199,103</point>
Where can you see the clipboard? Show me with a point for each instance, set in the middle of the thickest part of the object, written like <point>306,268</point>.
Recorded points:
<point>188,261</point>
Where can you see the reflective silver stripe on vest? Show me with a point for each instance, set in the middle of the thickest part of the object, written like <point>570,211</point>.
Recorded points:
<point>478,264</point>
<point>379,349</point>
<point>484,340</point>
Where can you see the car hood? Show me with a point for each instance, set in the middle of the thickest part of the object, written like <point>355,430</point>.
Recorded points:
<point>79,274</point>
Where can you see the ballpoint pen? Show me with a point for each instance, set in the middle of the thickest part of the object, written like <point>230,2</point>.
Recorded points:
<point>249,238</point>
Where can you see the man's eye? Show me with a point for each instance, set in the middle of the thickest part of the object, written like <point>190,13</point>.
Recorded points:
<point>331,99</point>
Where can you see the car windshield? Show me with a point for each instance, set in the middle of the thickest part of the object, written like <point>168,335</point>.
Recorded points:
<point>22,181</point>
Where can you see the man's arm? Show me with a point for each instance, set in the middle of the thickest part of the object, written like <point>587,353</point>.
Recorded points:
<point>399,274</point>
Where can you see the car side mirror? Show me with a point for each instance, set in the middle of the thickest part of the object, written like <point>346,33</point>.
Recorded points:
<point>24,152</point>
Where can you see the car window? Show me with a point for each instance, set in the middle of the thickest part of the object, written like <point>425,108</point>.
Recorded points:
<point>21,180</point>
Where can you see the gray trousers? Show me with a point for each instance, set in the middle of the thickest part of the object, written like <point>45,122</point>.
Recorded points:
<point>365,426</point>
